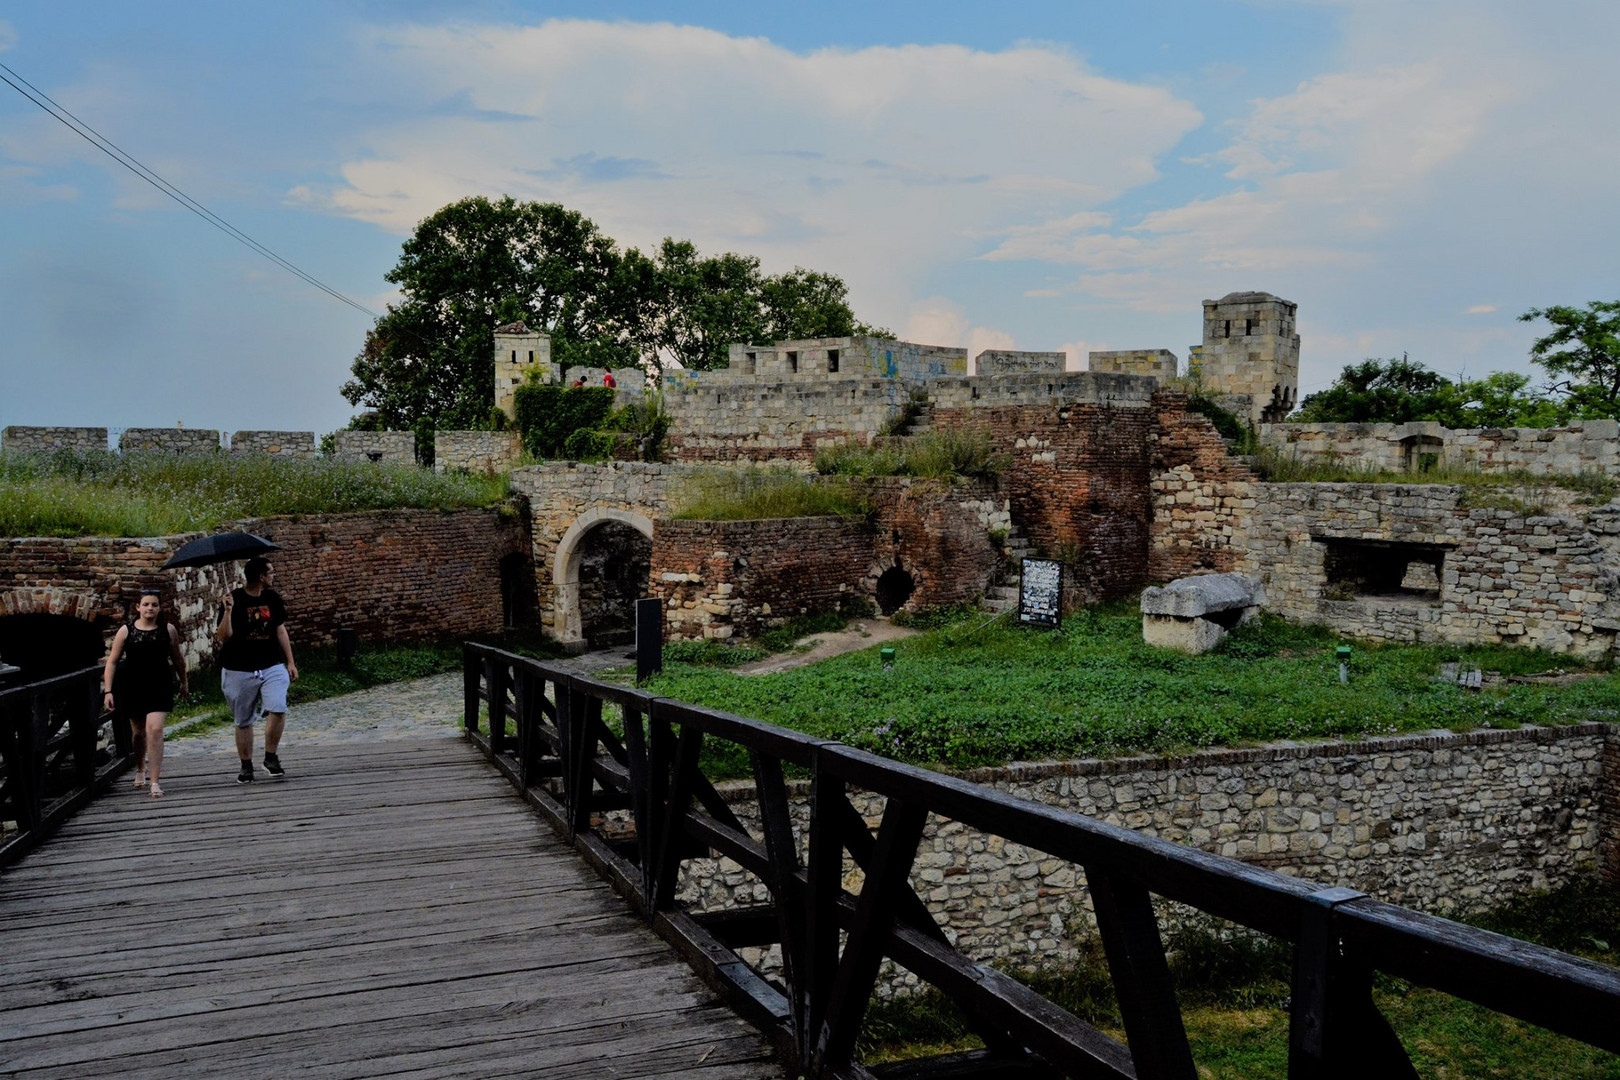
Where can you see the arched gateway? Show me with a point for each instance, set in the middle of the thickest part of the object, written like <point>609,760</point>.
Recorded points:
<point>568,621</point>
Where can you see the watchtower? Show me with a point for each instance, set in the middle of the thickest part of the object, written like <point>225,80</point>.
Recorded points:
<point>1251,351</point>
<point>517,349</point>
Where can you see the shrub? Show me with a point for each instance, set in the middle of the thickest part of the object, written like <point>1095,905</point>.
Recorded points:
<point>756,494</point>
<point>938,455</point>
<point>853,459</point>
<point>585,445</point>
<point>547,415</point>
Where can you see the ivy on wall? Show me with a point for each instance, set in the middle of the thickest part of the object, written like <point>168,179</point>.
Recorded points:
<point>547,415</point>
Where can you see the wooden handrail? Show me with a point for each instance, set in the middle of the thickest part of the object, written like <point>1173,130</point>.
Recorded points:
<point>576,770</point>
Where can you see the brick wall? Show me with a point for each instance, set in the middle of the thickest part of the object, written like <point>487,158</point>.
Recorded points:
<point>397,575</point>
<point>939,533</point>
<point>723,578</point>
<point>46,440</point>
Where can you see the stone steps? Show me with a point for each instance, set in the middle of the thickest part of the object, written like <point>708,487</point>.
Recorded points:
<point>1002,595</point>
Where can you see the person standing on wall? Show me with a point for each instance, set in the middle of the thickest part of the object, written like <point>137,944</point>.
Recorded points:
<point>608,380</point>
<point>138,683</point>
<point>256,665</point>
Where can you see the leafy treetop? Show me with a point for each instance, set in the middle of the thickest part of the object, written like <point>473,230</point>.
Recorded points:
<point>1583,348</point>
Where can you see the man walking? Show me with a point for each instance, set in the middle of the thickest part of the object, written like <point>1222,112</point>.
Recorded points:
<point>256,665</point>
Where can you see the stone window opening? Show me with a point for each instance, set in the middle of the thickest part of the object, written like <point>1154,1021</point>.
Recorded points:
<point>832,361</point>
<point>1251,327</point>
<point>894,588</point>
<point>531,356</point>
<point>514,356</point>
<point>1421,453</point>
<point>1383,569</point>
<point>793,362</point>
<point>1226,328</point>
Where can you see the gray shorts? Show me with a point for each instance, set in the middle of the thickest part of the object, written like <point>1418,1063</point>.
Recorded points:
<point>252,693</point>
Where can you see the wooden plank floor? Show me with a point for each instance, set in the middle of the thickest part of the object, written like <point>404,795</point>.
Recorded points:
<point>390,910</point>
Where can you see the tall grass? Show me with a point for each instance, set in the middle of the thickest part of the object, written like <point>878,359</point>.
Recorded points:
<point>105,494</point>
<point>760,493</point>
<point>1276,467</point>
<point>969,452</point>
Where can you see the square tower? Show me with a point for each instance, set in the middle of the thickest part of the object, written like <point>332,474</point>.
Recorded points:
<point>517,349</point>
<point>1251,350</point>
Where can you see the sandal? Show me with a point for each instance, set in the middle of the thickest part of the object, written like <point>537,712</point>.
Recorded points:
<point>140,776</point>
<point>157,792</point>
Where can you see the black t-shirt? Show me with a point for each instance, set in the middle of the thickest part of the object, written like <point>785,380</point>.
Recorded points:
<point>252,645</point>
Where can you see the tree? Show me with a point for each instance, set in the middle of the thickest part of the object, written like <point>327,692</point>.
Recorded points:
<point>1502,399</point>
<point>1377,391</point>
<point>469,267</point>
<point>1584,348</point>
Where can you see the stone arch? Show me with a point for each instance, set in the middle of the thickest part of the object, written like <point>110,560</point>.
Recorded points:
<point>565,568</point>
<point>43,600</point>
<point>47,631</point>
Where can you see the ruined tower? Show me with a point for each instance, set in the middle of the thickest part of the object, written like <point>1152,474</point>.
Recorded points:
<point>1251,351</point>
<point>517,349</point>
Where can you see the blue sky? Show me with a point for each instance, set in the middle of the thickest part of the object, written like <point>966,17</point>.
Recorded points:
<point>1039,175</point>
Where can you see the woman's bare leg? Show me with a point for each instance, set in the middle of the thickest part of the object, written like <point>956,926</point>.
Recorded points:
<point>154,749</point>
<point>137,748</point>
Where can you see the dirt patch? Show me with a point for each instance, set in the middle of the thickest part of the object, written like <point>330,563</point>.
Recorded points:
<point>860,634</point>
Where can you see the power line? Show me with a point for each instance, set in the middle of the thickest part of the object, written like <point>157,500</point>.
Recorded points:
<point>108,147</point>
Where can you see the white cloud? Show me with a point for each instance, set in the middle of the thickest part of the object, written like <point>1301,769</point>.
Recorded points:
<point>1480,309</point>
<point>8,36</point>
<point>876,162</point>
<point>940,321</point>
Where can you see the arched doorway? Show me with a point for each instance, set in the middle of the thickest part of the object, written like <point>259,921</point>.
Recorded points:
<point>601,569</point>
<point>894,588</point>
<point>43,645</point>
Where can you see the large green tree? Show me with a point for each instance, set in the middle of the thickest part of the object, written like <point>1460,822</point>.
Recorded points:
<point>1582,354</point>
<point>479,262</point>
<point>1390,391</point>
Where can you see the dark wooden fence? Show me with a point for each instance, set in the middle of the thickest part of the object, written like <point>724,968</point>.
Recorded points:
<point>55,755</point>
<point>546,731</point>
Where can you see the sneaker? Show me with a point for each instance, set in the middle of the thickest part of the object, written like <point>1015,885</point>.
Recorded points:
<point>272,765</point>
<point>246,775</point>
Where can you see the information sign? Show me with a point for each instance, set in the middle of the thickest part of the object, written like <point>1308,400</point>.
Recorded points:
<point>1040,593</point>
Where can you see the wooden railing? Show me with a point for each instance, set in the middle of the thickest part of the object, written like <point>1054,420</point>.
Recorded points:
<point>55,755</point>
<point>545,729</point>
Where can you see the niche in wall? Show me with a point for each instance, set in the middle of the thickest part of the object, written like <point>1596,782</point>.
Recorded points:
<point>1388,569</point>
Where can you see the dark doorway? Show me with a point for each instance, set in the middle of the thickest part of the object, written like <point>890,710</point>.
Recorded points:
<point>894,588</point>
<point>46,645</point>
<point>614,567</point>
<point>518,600</point>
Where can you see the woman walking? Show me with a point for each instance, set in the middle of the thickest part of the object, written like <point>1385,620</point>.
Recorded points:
<point>138,683</point>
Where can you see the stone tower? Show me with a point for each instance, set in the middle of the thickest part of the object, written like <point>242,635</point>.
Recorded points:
<point>1251,351</point>
<point>517,349</point>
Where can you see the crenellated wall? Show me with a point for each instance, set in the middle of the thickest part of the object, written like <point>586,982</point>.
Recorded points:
<point>1588,446</point>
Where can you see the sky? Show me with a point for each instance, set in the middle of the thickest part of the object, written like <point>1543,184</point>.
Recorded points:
<point>1053,174</point>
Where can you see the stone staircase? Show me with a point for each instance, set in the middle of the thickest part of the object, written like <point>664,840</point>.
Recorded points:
<point>922,420</point>
<point>1002,595</point>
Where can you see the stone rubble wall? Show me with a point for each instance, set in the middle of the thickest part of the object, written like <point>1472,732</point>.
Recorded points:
<point>1161,364</point>
<point>1588,446</point>
<point>1203,501</point>
<point>299,445</point>
<point>1541,581</point>
<point>397,575</point>
<point>476,451</point>
<point>168,441</point>
<point>1442,822</point>
<point>49,440</point>
<point>390,447</point>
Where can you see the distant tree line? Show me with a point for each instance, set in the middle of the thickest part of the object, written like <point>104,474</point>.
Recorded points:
<point>1581,356</point>
<point>479,263</point>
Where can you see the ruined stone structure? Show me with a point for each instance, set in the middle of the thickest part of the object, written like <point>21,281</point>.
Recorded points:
<point>476,451</point>
<point>1159,363</point>
<point>1194,614</point>
<point>299,445</point>
<point>1251,350</point>
<point>50,440</point>
<point>175,440</point>
<point>519,354</point>
<point>393,447</point>
<point>1585,446</point>
<point>1441,821</point>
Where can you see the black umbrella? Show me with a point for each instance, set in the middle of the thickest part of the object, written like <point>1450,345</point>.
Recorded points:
<point>218,548</point>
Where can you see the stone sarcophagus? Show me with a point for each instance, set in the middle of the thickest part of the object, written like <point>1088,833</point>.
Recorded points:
<point>1194,614</point>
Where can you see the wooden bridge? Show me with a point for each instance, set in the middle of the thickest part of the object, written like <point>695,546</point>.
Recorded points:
<point>394,911</point>
<point>390,911</point>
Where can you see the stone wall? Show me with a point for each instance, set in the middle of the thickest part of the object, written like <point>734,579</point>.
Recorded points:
<point>727,420</point>
<point>173,440</point>
<point>1202,499</point>
<point>630,383</point>
<point>47,440</point>
<point>723,578</point>
<point>399,575</point>
<point>939,534</point>
<point>838,358</point>
<point>476,451</point>
<point>1588,446</point>
<point>1161,364</point>
<point>283,444</point>
<point>1442,822</point>
<point>1010,362</point>
<point>1352,555</point>
<point>392,447</point>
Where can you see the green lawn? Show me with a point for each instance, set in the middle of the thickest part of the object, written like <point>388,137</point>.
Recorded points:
<point>983,691</point>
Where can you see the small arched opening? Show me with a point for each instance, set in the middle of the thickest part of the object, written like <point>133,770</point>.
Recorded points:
<point>894,588</point>
<point>43,645</point>
<point>602,568</point>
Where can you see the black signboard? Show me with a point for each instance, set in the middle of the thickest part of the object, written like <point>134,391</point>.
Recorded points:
<point>1040,593</point>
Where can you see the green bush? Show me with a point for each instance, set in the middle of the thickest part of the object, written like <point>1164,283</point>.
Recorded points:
<point>106,494</point>
<point>585,445</point>
<point>547,415</point>
<point>756,493</point>
<point>1231,426</point>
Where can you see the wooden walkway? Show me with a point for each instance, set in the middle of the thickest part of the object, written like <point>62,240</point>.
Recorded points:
<point>388,911</point>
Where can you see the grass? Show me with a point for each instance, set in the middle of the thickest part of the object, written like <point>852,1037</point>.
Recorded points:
<point>978,692</point>
<point>755,493</point>
<point>940,455</point>
<point>107,494</point>
<point>322,675</point>
<point>1279,468</point>
<point>1232,985</point>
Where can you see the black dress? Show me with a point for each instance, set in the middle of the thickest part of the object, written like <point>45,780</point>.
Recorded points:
<point>144,680</point>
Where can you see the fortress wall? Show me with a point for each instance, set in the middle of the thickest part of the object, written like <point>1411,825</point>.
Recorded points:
<point>1203,500</point>
<point>49,440</point>
<point>168,441</point>
<point>476,451</point>
<point>393,447</point>
<point>1588,446</point>
<point>284,444</point>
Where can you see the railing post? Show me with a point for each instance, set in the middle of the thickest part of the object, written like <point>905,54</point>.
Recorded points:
<point>649,638</point>
<point>1335,1031</point>
<point>1141,976</point>
<point>84,712</point>
<point>471,677</point>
